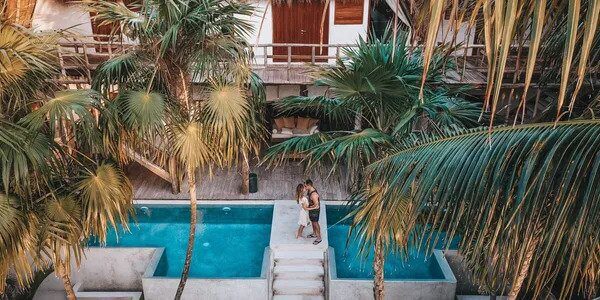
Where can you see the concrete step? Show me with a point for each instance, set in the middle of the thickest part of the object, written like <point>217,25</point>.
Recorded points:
<point>297,297</point>
<point>299,275</point>
<point>298,287</point>
<point>298,262</point>
<point>300,268</point>
<point>314,254</point>
<point>299,272</point>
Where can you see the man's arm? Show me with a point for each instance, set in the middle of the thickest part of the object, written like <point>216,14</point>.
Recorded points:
<point>315,198</point>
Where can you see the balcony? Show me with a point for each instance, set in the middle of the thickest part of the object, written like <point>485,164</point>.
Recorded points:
<point>276,64</point>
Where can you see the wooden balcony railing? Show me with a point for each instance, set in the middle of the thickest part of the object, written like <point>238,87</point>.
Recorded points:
<point>82,54</point>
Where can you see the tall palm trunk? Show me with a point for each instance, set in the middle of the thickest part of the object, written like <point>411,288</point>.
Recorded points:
<point>193,220</point>
<point>378,263</point>
<point>63,273</point>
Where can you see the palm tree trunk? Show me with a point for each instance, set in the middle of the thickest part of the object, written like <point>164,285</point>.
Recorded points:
<point>378,262</point>
<point>523,272</point>
<point>61,271</point>
<point>245,173</point>
<point>193,220</point>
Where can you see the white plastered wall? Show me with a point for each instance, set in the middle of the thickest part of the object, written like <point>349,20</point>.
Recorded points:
<point>54,15</point>
<point>338,34</point>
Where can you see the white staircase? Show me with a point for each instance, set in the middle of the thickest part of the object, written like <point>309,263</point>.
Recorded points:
<point>298,275</point>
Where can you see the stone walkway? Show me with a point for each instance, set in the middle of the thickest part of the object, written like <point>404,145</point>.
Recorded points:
<point>298,265</point>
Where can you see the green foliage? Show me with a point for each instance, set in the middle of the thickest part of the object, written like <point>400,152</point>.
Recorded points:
<point>57,190</point>
<point>26,62</point>
<point>526,196</point>
<point>377,86</point>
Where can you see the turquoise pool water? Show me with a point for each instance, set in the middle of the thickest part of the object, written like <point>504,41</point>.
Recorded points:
<point>230,240</point>
<point>350,264</point>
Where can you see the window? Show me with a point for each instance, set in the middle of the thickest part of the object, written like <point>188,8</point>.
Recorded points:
<point>349,12</point>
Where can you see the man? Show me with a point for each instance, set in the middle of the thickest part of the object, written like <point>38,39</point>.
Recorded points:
<point>314,211</point>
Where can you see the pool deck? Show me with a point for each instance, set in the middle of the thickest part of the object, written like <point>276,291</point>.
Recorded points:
<point>285,224</point>
<point>273,184</point>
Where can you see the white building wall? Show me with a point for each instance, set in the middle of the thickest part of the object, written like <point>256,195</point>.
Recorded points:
<point>347,33</point>
<point>54,15</point>
<point>338,34</point>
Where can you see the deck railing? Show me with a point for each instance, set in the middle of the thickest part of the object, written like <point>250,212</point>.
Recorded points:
<point>83,54</point>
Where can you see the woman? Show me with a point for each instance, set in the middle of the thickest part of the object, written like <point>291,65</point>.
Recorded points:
<point>302,201</point>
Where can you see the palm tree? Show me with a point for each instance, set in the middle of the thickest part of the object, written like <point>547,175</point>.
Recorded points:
<point>181,43</point>
<point>377,89</point>
<point>59,188</point>
<point>523,199</point>
<point>564,31</point>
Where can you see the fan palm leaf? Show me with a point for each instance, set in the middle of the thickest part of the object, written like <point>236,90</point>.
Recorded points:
<point>68,115</point>
<point>116,71</point>
<point>190,145</point>
<point>106,196</point>
<point>16,239</point>
<point>117,14</point>
<point>26,61</point>
<point>143,112</point>
<point>23,152</point>
<point>525,196</point>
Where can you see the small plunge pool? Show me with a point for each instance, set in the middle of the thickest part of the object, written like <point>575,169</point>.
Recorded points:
<point>230,239</point>
<point>351,265</point>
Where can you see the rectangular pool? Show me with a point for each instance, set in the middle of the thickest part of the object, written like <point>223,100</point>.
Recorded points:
<point>349,264</point>
<point>230,239</point>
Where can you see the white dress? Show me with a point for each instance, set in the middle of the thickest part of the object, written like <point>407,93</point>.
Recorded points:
<point>303,217</point>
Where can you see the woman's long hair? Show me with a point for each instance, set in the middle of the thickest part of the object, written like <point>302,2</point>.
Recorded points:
<point>299,192</point>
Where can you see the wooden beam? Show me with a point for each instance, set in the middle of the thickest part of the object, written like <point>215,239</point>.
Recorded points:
<point>152,167</point>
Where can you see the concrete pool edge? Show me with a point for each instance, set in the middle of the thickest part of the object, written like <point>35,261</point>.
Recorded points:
<point>202,202</point>
<point>438,254</point>
<point>362,288</point>
<point>250,288</point>
<point>162,287</point>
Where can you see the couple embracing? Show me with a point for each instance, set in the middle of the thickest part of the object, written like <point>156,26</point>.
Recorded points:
<point>308,199</point>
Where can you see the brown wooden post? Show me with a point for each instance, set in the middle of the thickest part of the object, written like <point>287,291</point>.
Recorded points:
<point>289,61</point>
<point>265,59</point>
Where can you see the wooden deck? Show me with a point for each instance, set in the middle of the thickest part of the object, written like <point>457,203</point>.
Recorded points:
<point>273,184</point>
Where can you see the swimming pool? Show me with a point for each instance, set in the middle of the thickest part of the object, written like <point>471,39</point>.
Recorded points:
<point>230,240</point>
<point>349,264</point>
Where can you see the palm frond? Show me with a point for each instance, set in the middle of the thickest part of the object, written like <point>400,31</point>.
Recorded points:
<point>190,145</point>
<point>115,71</point>
<point>15,240</point>
<point>27,62</point>
<point>118,15</point>
<point>69,115</point>
<point>22,153</point>
<point>143,112</point>
<point>279,153</point>
<point>525,196</point>
<point>107,199</point>
<point>391,222</point>
<point>334,109</point>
